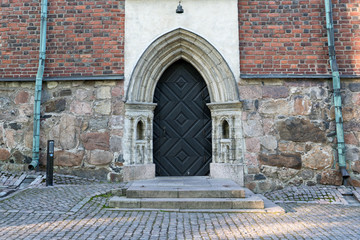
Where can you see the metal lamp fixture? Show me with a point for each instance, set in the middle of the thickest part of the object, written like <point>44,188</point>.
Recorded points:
<point>179,8</point>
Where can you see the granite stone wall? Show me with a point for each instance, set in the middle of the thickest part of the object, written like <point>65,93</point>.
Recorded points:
<point>288,127</point>
<point>84,118</point>
<point>289,132</point>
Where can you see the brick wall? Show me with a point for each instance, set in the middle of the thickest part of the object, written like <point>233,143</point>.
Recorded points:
<point>289,37</point>
<point>84,38</point>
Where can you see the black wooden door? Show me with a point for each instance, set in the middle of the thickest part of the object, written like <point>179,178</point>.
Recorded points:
<point>182,123</point>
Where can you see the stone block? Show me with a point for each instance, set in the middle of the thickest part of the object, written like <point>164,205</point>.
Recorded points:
<point>268,126</point>
<point>10,138</point>
<point>252,145</point>
<point>275,92</point>
<point>270,172</point>
<point>259,177</point>
<point>253,202</point>
<point>100,157</point>
<point>21,97</point>
<point>138,172</point>
<point>17,157</point>
<point>352,125</point>
<point>123,202</point>
<point>253,128</point>
<point>90,173</point>
<point>234,172</point>
<point>4,154</point>
<point>351,139</point>
<point>356,166</point>
<point>286,160</point>
<point>153,193</point>
<point>98,123</point>
<point>354,87</point>
<point>29,85</point>
<point>68,132</point>
<point>331,177</point>
<point>58,105</point>
<point>349,113</point>
<point>355,182</point>
<point>115,144</point>
<point>356,99</point>
<point>300,130</point>
<point>118,108</point>
<point>275,107</point>
<point>52,85</point>
<point>80,108</point>
<point>103,93</point>
<point>269,142</point>
<point>285,174</point>
<point>352,154</point>
<point>1,134</point>
<point>117,122</point>
<point>307,174</point>
<point>68,159</point>
<point>105,83</point>
<point>265,186</point>
<point>117,92</point>
<point>318,158</point>
<point>253,169</point>
<point>115,177</point>
<point>251,186</point>
<point>65,92</point>
<point>81,94</point>
<point>96,140</point>
<point>15,126</point>
<point>250,92</point>
<point>45,96</point>
<point>302,106</point>
<point>103,107</point>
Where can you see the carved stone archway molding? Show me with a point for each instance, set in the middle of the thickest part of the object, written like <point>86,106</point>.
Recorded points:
<point>225,105</point>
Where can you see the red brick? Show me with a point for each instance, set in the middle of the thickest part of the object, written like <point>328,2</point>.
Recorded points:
<point>307,34</point>
<point>62,34</point>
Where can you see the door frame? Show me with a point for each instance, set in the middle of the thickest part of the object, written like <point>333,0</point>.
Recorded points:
<point>225,106</point>
<point>189,101</point>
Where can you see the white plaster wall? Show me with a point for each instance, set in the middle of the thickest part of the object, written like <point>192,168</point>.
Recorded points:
<point>214,20</point>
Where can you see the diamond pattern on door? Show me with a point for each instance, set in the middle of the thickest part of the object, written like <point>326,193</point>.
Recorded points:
<point>182,123</point>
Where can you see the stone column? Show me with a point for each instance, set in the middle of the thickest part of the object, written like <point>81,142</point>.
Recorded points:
<point>227,141</point>
<point>138,147</point>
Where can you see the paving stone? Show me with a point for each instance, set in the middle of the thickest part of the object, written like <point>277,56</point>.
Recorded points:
<point>45,213</point>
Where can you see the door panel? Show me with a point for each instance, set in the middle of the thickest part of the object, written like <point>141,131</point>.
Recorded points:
<point>182,123</point>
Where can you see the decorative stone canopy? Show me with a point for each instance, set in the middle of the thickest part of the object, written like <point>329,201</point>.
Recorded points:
<point>182,44</point>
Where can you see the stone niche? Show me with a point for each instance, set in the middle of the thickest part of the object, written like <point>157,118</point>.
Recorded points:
<point>138,142</point>
<point>227,142</point>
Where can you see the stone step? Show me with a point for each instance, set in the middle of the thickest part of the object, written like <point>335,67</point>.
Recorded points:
<point>194,187</point>
<point>188,192</point>
<point>253,202</point>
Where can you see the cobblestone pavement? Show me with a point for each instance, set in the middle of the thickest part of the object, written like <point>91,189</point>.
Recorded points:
<point>12,178</point>
<point>74,212</point>
<point>11,182</point>
<point>313,194</point>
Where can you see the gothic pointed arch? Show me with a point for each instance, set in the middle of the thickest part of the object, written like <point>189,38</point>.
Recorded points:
<point>227,153</point>
<point>182,44</point>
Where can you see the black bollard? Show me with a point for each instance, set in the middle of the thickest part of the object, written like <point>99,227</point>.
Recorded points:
<point>50,164</point>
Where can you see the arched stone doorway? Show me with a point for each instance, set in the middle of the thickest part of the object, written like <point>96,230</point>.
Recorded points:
<point>227,147</point>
